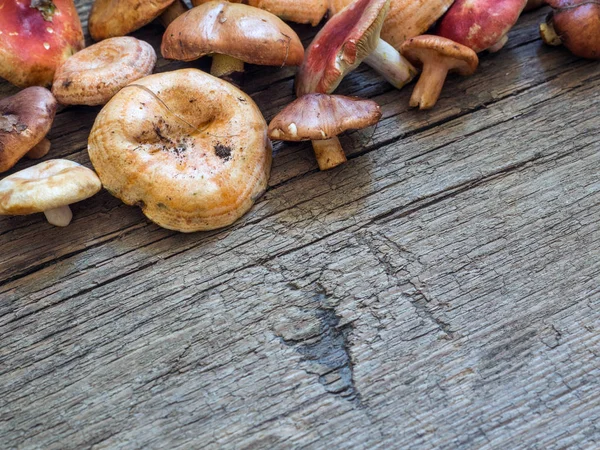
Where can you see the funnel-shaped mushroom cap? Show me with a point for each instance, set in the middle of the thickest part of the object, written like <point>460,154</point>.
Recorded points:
<point>243,32</point>
<point>95,74</point>
<point>341,45</point>
<point>36,36</point>
<point>427,49</point>
<point>112,18</point>
<point>406,18</point>
<point>190,149</point>
<point>299,11</point>
<point>480,24</point>
<point>576,24</point>
<point>25,118</point>
<point>45,186</point>
<point>317,117</point>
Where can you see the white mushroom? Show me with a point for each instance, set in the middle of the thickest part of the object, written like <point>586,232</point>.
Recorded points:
<point>49,187</point>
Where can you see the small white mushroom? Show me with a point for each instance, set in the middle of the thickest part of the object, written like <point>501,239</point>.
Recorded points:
<point>49,187</point>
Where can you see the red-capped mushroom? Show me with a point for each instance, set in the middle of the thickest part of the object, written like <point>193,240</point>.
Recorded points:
<point>348,38</point>
<point>481,24</point>
<point>438,56</point>
<point>321,118</point>
<point>233,34</point>
<point>37,36</point>
<point>574,24</point>
<point>299,11</point>
<point>405,19</point>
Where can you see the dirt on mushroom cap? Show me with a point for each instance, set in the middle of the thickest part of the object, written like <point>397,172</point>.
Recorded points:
<point>95,74</point>
<point>190,149</point>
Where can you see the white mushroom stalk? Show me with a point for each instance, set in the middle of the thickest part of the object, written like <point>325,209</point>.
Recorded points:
<point>391,65</point>
<point>60,217</point>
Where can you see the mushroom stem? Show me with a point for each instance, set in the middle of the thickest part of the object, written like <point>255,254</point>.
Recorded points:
<point>176,9</point>
<point>391,65</point>
<point>329,153</point>
<point>60,217</point>
<point>498,45</point>
<point>429,86</point>
<point>40,150</point>
<point>548,34</point>
<point>224,66</point>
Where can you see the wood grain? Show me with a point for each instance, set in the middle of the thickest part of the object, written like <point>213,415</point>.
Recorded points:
<point>441,289</point>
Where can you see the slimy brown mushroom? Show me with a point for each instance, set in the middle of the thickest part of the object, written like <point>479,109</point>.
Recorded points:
<point>25,119</point>
<point>320,118</point>
<point>190,149</point>
<point>233,34</point>
<point>438,56</point>
<point>49,187</point>
<point>574,24</point>
<point>299,11</point>
<point>347,39</point>
<point>95,74</point>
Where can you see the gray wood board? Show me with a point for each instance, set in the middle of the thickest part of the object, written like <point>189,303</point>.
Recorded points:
<point>441,289</point>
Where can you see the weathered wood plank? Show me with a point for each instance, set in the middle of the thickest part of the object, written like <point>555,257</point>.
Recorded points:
<point>441,289</point>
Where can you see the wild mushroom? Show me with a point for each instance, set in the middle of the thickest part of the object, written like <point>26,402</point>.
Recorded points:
<point>25,119</point>
<point>481,24</point>
<point>233,34</point>
<point>347,39</point>
<point>299,11</point>
<point>320,118</point>
<point>49,187</point>
<point>36,37</point>
<point>113,18</point>
<point>95,74</point>
<point>574,24</point>
<point>438,56</point>
<point>405,19</point>
<point>190,149</point>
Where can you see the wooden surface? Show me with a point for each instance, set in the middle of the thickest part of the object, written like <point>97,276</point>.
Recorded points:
<point>441,289</point>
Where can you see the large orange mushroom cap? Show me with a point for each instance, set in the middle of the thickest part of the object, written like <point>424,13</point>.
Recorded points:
<point>37,36</point>
<point>112,18</point>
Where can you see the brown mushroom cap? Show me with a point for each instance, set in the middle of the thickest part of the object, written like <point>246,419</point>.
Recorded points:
<point>575,24</point>
<point>25,118</point>
<point>422,50</point>
<point>112,18</point>
<point>94,75</point>
<point>45,186</point>
<point>299,11</point>
<point>243,32</point>
<point>190,149</point>
<point>320,116</point>
<point>341,45</point>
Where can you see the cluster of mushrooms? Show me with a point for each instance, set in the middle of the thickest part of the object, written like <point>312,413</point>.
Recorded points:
<point>192,149</point>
